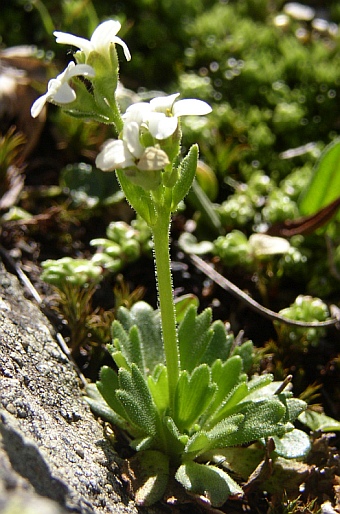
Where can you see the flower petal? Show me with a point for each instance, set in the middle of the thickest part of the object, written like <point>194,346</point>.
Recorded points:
<point>114,155</point>
<point>79,69</point>
<point>69,39</point>
<point>131,139</point>
<point>137,112</point>
<point>191,107</point>
<point>163,103</point>
<point>105,33</point>
<point>64,94</point>
<point>153,159</point>
<point>38,105</point>
<point>161,126</point>
<point>126,50</point>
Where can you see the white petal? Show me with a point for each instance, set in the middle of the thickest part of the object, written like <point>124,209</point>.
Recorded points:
<point>161,126</point>
<point>153,159</point>
<point>163,103</point>
<point>69,39</point>
<point>105,33</point>
<point>122,43</point>
<point>137,112</point>
<point>114,155</point>
<point>80,69</point>
<point>191,107</point>
<point>131,139</point>
<point>38,106</point>
<point>64,94</point>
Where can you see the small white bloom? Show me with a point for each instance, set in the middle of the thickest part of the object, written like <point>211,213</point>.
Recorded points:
<point>129,152</point>
<point>59,90</point>
<point>162,113</point>
<point>102,37</point>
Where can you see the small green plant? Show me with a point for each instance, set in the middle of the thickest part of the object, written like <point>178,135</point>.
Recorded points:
<point>181,392</point>
<point>304,308</point>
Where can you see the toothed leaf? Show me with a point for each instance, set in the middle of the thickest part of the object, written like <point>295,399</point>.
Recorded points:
<point>158,386</point>
<point>107,386</point>
<point>219,345</point>
<point>136,400</point>
<point>194,335</point>
<point>137,334</point>
<point>193,394</point>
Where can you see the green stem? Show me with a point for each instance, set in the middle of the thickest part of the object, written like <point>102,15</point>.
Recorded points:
<point>166,301</point>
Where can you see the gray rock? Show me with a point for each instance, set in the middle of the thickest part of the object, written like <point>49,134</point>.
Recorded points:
<point>54,457</point>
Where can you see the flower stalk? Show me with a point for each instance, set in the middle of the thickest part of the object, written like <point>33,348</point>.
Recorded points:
<point>166,301</point>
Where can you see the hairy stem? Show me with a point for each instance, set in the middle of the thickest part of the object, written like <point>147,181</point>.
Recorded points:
<point>166,300</point>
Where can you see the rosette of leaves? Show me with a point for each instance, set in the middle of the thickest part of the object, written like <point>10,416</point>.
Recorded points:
<point>215,405</point>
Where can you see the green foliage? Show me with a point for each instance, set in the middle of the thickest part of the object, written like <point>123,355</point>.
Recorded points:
<point>273,90</point>
<point>324,186</point>
<point>124,244</point>
<point>215,404</point>
<point>319,421</point>
<point>78,272</point>
<point>305,308</point>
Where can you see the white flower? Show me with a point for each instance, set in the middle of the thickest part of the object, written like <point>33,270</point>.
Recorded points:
<point>58,89</point>
<point>129,152</point>
<point>162,113</point>
<point>102,37</point>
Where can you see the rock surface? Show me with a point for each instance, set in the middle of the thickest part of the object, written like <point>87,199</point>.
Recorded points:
<point>54,457</point>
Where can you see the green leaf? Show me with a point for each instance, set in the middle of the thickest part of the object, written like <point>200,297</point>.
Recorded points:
<point>194,334</point>
<point>149,475</point>
<point>246,352</point>
<point>175,441</point>
<point>183,303</point>
<point>217,437</point>
<point>138,198</point>
<point>193,394</point>
<point>101,408</point>
<point>292,445</point>
<point>294,407</point>
<point>324,186</point>
<point>107,386</point>
<point>158,386</point>
<point>261,419</point>
<point>259,382</point>
<point>129,345</point>
<point>319,421</point>
<point>230,403</point>
<point>137,334</point>
<point>226,376</point>
<point>219,345</point>
<point>208,481</point>
<point>136,399</point>
<point>187,171</point>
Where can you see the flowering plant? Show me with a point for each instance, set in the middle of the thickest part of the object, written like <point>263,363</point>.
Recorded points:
<point>181,393</point>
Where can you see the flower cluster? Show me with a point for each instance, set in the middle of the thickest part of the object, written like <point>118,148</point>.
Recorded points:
<point>103,40</point>
<point>149,135</point>
<point>142,144</point>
